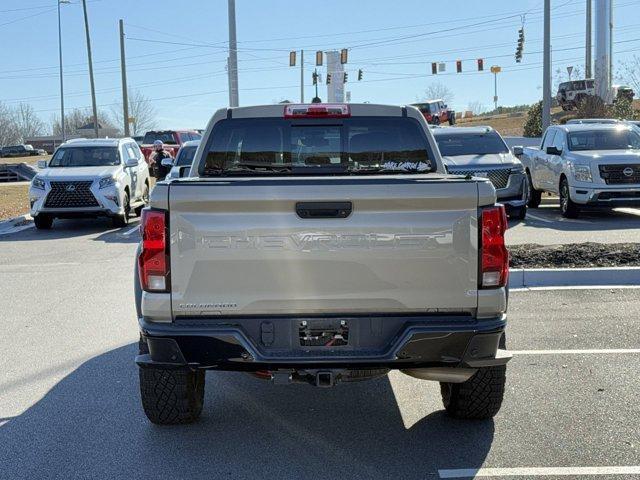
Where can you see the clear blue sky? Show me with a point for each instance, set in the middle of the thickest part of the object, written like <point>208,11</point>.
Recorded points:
<point>393,42</point>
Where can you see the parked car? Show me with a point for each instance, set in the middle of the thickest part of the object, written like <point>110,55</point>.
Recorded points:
<point>321,243</point>
<point>91,178</point>
<point>575,121</point>
<point>21,151</point>
<point>172,140</point>
<point>481,152</point>
<point>436,112</point>
<point>587,165</point>
<point>570,94</point>
<point>138,139</point>
<point>184,159</point>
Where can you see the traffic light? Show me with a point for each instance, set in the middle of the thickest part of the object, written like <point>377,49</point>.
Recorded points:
<point>319,58</point>
<point>292,59</point>
<point>344,77</point>
<point>344,53</point>
<point>434,68</point>
<point>520,46</point>
<point>480,64</point>
<point>459,66</point>
<point>328,79</point>
<point>314,76</point>
<point>359,74</point>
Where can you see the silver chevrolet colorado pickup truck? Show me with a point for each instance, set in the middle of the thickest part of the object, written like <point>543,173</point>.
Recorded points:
<point>321,243</point>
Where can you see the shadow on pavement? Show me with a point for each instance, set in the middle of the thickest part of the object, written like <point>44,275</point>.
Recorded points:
<point>70,228</point>
<point>91,425</point>
<point>591,219</point>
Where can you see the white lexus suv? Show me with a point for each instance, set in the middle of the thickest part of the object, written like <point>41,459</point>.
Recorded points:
<point>91,178</point>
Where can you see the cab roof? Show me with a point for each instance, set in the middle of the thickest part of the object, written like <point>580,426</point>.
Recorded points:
<point>357,109</point>
<point>584,127</point>
<point>95,142</point>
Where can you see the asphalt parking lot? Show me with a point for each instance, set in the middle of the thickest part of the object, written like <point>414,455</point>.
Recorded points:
<point>69,403</point>
<point>546,226</point>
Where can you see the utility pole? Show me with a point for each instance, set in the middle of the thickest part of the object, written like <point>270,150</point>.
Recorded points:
<point>62,126</point>
<point>93,87</point>
<point>232,66</point>
<point>587,44</point>
<point>495,69</point>
<point>546,68</point>
<point>301,76</point>
<point>125,93</point>
<point>602,63</point>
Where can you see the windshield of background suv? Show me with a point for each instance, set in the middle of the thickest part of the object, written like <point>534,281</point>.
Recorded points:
<point>85,157</point>
<point>164,137</point>
<point>454,144</point>
<point>279,146</point>
<point>185,156</point>
<point>614,139</point>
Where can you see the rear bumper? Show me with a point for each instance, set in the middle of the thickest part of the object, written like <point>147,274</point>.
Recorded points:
<point>419,342</point>
<point>514,195</point>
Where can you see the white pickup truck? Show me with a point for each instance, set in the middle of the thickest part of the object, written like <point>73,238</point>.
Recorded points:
<point>587,165</point>
<point>321,243</point>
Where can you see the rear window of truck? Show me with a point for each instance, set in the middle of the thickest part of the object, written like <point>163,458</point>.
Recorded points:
<point>164,137</point>
<point>354,145</point>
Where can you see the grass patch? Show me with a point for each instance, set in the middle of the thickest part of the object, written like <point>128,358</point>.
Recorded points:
<point>14,200</point>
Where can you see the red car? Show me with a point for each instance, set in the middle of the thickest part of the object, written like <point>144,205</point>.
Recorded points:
<point>436,112</point>
<point>172,139</point>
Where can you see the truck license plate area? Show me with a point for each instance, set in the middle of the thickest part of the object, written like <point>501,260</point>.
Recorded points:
<point>323,333</point>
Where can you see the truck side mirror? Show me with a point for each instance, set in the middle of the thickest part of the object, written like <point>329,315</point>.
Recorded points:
<point>42,164</point>
<point>167,162</point>
<point>517,150</point>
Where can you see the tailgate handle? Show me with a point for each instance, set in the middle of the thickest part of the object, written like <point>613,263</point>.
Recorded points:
<point>324,209</point>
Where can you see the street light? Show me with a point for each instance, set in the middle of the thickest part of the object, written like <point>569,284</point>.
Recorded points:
<point>60,2</point>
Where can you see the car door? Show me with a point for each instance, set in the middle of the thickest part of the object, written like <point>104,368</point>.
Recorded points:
<point>132,172</point>
<point>142,169</point>
<point>540,168</point>
<point>554,162</point>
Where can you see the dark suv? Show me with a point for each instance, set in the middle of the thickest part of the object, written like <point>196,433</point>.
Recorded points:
<point>20,151</point>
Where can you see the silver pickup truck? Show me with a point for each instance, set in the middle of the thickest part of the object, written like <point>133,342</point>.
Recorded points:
<point>321,243</point>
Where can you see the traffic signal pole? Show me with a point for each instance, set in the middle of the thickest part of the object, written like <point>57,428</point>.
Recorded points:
<point>301,76</point>
<point>125,93</point>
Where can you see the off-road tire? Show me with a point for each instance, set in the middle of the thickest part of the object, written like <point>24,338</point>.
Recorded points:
<point>120,221</point>
<point>145,201</point>
<point>534,197</point>
<point>480,397</point>
<point>43,221</point>
<point>436,121</point>
<point>171,396</point>
<point>568,208</point>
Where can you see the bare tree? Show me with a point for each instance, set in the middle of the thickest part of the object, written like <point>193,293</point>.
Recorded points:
<point>78,118</point>
<point>629,73</point>
<point>562,75</point>
<point>477,108</point>
<point>141,110</point>
<point>9,133</point>
<point>27,121</point>
<point>437,91</point>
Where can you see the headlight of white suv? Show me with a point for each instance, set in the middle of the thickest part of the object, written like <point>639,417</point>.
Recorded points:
<point>37,183</point>
<point>582,173</point>
<point>107,182</point>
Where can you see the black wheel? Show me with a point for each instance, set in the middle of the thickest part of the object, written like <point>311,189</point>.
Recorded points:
<point>436,121</point>
<point>534,197</point>
<point>171,396</point>
<point>519,213</point>
<point>568,209</point>
<point>120,221</point>
<point>452,120</point>
<point>480,397</point>
<point>145,199</point>
<point>43,221</point>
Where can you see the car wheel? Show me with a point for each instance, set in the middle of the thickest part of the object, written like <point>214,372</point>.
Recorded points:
<point>120,221</point>
<point>171,396</point>
<point>43,221</point>
<point>568,208</point>
<point>534,197</point>
<point>519,213</point>
<point>145,200</point>
<point>480,397</point>
<point>436,121</point>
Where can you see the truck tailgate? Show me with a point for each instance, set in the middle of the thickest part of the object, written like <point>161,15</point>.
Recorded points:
<point>245,247</point>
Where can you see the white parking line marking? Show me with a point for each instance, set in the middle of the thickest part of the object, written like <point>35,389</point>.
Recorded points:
<point>541,219</point>
<point>39,265</point>
<point>129,232</point>
<point>631,211</point>
<point>597,351</point>
<point>576,287</point>
<point>536,471</point>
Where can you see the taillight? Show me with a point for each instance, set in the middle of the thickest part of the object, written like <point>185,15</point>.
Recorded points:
<point>324,110</point>
<point>494,254</point>
<point>153,262</point>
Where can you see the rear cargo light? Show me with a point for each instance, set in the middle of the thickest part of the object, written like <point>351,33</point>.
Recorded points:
<point>494,253</point>
<point>153,262</point>
<point>315,110</point>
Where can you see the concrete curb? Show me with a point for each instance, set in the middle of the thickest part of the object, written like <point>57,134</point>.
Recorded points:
<point>16,224</point>
<point>574,277</point>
